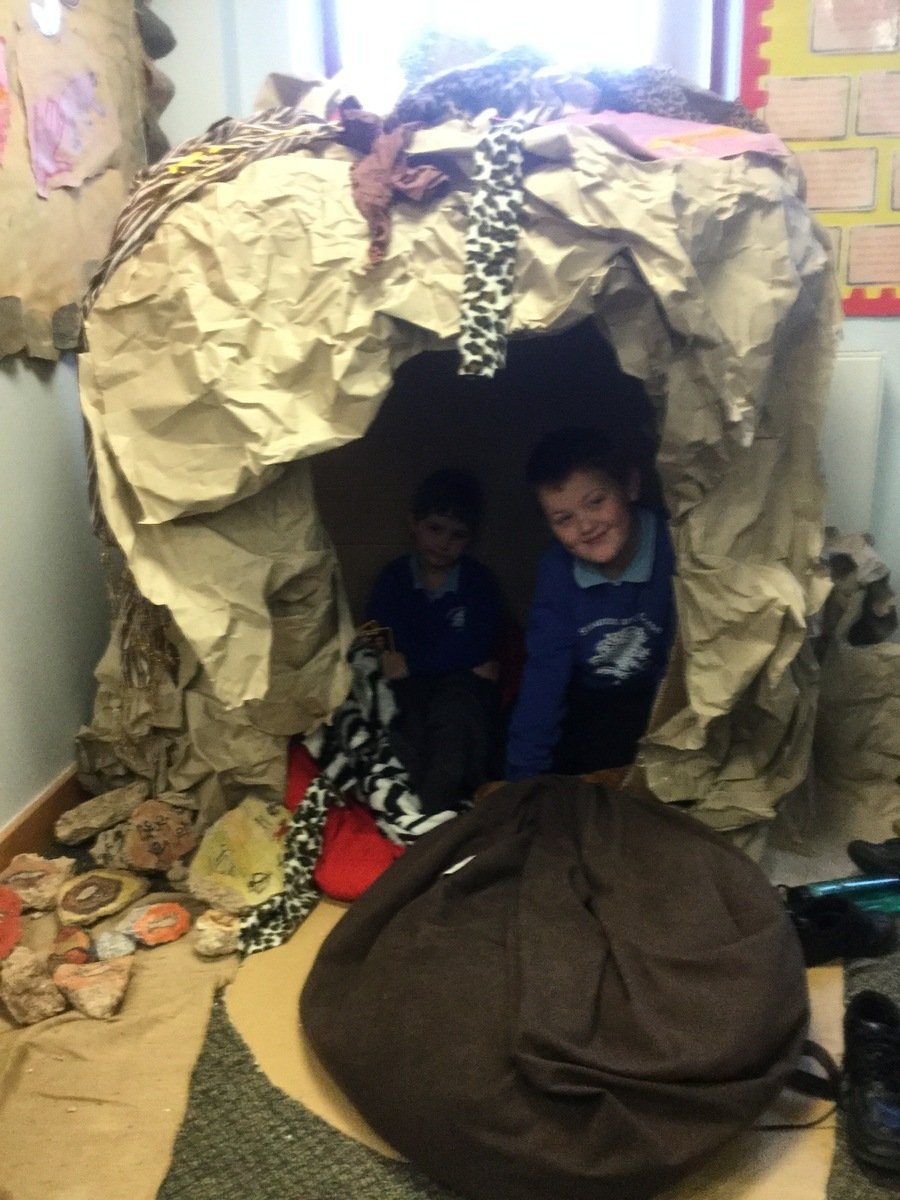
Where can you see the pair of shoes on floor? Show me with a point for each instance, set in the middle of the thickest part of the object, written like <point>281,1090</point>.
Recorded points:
<point>876,858</point>
<point>870,1094</point>
<point>831,927</point>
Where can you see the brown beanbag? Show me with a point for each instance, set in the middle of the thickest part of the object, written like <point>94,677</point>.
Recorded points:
<point>566,992</point>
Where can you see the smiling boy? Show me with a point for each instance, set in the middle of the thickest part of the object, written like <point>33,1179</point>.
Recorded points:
<point>602,619</point>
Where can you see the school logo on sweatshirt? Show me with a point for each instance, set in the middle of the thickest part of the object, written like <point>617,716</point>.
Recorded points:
<point>624,649</point>
<point>457,618</point>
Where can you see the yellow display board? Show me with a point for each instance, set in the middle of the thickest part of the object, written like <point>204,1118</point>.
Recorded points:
<point>825,77</point>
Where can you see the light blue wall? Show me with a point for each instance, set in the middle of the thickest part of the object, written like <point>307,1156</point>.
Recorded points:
<point>882,334</point>
<point>53,613</point>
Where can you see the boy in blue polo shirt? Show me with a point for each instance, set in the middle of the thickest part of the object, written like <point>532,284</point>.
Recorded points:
<point>444,612</point>
<point>603,618</point>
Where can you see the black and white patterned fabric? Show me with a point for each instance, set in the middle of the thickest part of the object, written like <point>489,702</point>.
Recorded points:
<point>356,755</point>
<point>492,235</point>
<point>356,760</point>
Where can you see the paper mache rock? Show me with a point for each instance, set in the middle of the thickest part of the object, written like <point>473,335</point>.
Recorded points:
<point>112,943</point>
<point>95,894</point>
<point>238,863</point>
<point>92,816</point>
<point>157,834</point>
<point>108,847</point>
<point>156,924</point>
<point>95,989</point>
<point>71,945</point>
<point>28,992</point>
<point>36,879</point>
<point>216,933</point>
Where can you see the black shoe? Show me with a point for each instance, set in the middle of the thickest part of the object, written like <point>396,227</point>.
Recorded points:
<point>876,858</point>
<point>871,1087</point>
<point>832,927</point>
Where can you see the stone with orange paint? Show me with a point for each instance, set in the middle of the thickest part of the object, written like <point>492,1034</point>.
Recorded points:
<point>95,989</point>
<point>156,924</point>
<point>70,945</point>
<point>10,920</point>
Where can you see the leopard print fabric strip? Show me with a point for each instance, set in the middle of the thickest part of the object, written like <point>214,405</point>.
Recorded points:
<point>271,923</point>
<point>492,236</point>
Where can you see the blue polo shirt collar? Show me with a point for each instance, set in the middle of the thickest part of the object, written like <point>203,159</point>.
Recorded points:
<point>639,570</point>
<point>450,584</point>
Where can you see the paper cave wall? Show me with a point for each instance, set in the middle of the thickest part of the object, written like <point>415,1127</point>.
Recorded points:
<point>433,417</point>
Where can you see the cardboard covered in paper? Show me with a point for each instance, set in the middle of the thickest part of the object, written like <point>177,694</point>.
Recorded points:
<point>49,248</point>
<point>250,334</point>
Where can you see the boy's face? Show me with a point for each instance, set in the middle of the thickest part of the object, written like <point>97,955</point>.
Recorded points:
<point>439,541</point>
<point>591,515</point>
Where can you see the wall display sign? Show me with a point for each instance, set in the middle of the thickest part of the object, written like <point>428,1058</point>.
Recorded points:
<point>825,76</point>
<point>71,142</point>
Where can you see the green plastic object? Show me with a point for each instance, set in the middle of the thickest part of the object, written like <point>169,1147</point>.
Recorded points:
<point>877,893</point>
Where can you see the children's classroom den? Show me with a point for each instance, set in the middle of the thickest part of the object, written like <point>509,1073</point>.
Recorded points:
<point>451,708</point>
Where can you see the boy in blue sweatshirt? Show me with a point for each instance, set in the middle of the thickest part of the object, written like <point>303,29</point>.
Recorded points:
<point>444,612</point>
<point>603,618</point>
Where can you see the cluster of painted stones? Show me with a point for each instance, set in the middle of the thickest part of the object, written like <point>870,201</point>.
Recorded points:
<point>133,835</point>
<point>132,831</point>
<point>88,972</point>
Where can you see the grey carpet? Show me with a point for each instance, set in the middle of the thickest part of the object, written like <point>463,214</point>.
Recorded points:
<point>244,1139</point>
<point>848,1179</point>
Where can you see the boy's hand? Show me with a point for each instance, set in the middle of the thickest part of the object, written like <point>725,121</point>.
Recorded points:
<point>488,670</point>
<point>393,665</point>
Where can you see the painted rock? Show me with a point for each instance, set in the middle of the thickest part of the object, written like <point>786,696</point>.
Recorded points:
<point>97,894</point>
<point>156,924</point>
<point>36,879</point>
<point>216,933</point>
<point>238,863</point>
<point>10,920</point>
<point>71,945</point>
<point>158,834</point>
<point>99,813</point>
<point>95,989</point>
<point>112,944</point>
<point>177,876</point>
<point>108,847</point>
<point>26,989</point>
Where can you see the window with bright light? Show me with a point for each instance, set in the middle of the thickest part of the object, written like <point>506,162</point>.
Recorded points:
<point>609,34</point>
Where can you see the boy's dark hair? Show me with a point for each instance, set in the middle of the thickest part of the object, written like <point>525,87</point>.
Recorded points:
<point>449,493</point>
<point>563,451</point>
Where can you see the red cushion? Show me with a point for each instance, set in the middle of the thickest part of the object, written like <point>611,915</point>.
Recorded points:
<point>354,853</point>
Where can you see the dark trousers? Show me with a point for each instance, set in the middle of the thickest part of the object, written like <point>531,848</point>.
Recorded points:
<point>446,735</point>
<point>601,729</point>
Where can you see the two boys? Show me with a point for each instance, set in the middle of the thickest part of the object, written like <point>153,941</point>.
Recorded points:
<point>599,632</point>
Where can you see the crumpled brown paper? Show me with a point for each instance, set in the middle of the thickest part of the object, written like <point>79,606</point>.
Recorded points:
<point>250,333</point>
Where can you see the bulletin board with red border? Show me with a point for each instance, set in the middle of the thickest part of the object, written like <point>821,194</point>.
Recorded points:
<point>825,77</point>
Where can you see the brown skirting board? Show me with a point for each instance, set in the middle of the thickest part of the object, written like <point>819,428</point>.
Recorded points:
<point>32,829</point>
